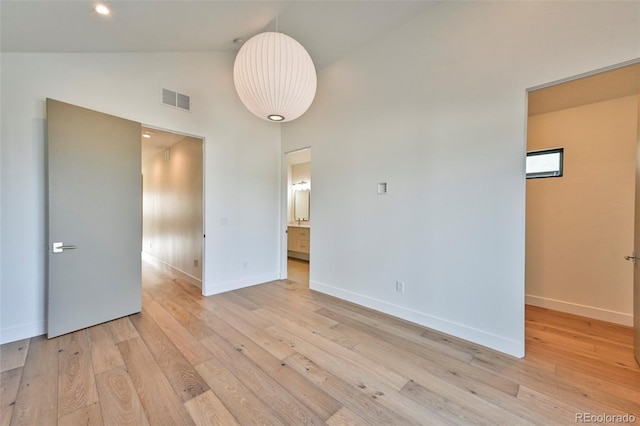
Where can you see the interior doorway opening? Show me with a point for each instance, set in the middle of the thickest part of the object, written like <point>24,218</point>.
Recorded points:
<point>173,203</point>
<point>580,223</point>
<point>298,215</point>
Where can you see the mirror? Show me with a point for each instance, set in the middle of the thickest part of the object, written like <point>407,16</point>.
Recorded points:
<point>301,206</point>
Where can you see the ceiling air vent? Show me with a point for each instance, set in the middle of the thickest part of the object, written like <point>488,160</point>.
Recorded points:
<point>176,100</point>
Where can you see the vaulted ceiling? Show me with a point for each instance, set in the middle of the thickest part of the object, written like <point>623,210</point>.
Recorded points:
<point>329,30</point>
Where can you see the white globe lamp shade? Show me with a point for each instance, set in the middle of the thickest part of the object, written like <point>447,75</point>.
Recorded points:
<point>275,77</point>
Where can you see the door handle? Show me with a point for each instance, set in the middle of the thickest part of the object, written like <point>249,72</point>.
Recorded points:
<point>633,258</point>
<point>60,247</point>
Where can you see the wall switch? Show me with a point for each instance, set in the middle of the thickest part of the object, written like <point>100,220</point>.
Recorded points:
<point>400,286</point>
<point>195,263</point>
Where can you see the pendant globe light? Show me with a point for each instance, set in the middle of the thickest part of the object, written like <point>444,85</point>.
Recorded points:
<point>275,77</point>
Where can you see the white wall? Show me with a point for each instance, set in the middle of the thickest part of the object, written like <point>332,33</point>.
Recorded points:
<point>437,109</point>
<point>580,226</point>
<point>242,163</point>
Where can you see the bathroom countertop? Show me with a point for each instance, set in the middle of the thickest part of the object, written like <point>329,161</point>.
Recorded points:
<point>302,225</point>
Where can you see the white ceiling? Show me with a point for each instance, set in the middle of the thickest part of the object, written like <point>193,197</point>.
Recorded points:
<point>328,29</point>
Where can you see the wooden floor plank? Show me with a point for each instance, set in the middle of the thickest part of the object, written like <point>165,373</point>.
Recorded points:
<point>399,325</point>
<point>121,329</point>
<point>585,377</point>
<point>318,401</point>
<point>206,409</point>
<point>300,308</point>
<point>379,385</point>
<point>585,399</point>
<point>335,356</point>
<point>549,408</point>
<point>9,384</point>
<point>184,379</point>
<point>235,300</point>
<point>76,379</point>
<point>186,343</point>
<point>90,415</point>
<point>119,400</point>
<point>281,401</point>
<point>588,326</point>
<point>37,399</point>
<point>263,339</point>
<point>384,348</point>
<point>391,332</point>
<point>478,352</point>
<point>161,404</point>
<point>223,307</point>
<point>104,352</point>
<point>245,406</point>
<point>13,355</point>
<point>280,353</point>
<point>360,399</point>
<point>346,417</point>
<point>452,410</point>
<point>194,325</point>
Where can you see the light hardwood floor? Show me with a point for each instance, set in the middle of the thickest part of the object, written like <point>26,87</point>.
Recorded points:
<point>279,353</point>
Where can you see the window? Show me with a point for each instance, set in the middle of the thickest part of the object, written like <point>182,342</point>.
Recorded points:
<point>545,163</point>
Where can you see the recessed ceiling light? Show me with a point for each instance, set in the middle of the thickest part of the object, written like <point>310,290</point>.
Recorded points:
<point>102,9</point>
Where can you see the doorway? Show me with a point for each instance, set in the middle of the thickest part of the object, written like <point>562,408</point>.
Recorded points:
<point>173,203</point>
<point>298,215</point>
<point>580,222</point>
<point>95,215</point>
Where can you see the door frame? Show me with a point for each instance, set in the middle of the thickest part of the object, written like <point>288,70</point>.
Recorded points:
<point>204,190</point>
<point>284,211</point>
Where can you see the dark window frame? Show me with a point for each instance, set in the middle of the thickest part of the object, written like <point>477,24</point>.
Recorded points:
<point>552,174</point>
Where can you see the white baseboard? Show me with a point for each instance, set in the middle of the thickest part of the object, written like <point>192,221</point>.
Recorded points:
<point>179,273</point>
<point>24,331</point>
<point>210,290</point>
<point>480,337</point>
<point>582,310</point>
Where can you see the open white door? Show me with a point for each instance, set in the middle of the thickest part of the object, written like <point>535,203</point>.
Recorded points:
<point>95,214</point>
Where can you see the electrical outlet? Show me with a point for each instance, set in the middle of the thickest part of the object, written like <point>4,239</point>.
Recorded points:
<point>150,245</point>
<point>245,264</point>
<point>400,286</point>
